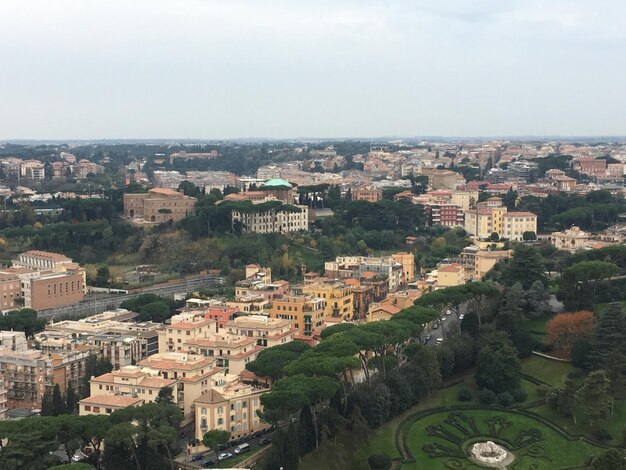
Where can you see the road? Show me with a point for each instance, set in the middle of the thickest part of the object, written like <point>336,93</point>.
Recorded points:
<point>450,324</point>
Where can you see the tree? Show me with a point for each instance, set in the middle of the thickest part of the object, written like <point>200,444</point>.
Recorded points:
<point>610,459</point>
<point>537,300</point>
<point>58,403</point>
<point>529,236</point>
<point>498,367</point>
<point>567,399</point>
<point>47,407</point>
<point>271,361</point>
<point>94,367</point>
<point>609,335</point>
<point>102,276</point>
<point>526,267</point>
<point>579,284</point>
<point>214,438</point>
<point>69,429</point>
<point>165,396</point>
<point>71,399</point>
<point>565,329</point>
<point>595,396</point>
<point>379,462</point>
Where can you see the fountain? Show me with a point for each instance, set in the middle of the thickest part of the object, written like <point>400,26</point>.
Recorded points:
<point>490,454</point>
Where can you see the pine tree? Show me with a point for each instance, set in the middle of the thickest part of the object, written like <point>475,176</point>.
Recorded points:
<point>58,403</point>
<point>71,399</point>
<point>47,408</point>
<point>595,396</point>
<point>609,335</point>
<point>165,396</point>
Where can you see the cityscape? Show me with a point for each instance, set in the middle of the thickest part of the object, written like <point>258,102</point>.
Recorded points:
<point>312,236</point>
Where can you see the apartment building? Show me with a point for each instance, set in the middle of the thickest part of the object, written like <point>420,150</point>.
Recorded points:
<point>158,205</point>
<point>491,216</point>
<point>113,334</point>
<point>407,260</point>
<point>47,280</point>
<point>366,194</point>
<point>10,291</point>
<point>33,169</point>
<point>337,295</point>
<point>477,263</point>
<point>572,239</point>
<point>272,221</point>
<point>13,340</point>
<point>131,383</point>
<point>85,167</point>
<point>356,266</point>
<point>184,327</point>
<point>305,312</point>
<point>450,275</point>
<point>230,352</point>
<point>195,374</point>
<point>27,374</point>
<point>230,407</point>
<point>590,166</point>
<point>267,332</point>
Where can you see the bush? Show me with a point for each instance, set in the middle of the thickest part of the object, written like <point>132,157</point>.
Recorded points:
<point>379,462</point>
<point>601,434</point>
<point>542,391</point>
<point>504,399</point>
<point>487,397</point>
<point>575,374</point>
<point>519,395</point>
<point>464,395</point>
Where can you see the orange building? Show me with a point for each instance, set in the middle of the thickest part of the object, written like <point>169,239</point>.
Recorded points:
<point>158,205</point>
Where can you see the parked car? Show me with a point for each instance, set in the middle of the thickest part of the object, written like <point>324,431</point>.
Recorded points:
<point>208,463</point>
<point>197,457</point>
<point>265,441</point>
<point>448,312</point>
<point>435,326</point>
<point>439,340</point>
<point>427,338</point>
<point>242,448</point>
<point>461,316</point>
<point>224,456</point>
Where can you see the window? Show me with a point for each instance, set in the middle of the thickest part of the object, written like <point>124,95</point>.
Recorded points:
<point>87,408</point>
<point>96,409</point>
<point>203,411</point>
<point>108,410</point>
<point>220,421</point>
<point>220,410</point>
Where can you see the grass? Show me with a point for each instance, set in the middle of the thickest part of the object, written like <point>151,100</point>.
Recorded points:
<point>601,308</point>
<point>551,372</point>
<point>552,451</point>
<point>537,327</point>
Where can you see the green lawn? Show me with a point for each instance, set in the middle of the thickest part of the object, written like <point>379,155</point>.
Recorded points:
<point>537,327</point>
<point>601,308</point>
<point>551,372</point>
<point>548,451</point>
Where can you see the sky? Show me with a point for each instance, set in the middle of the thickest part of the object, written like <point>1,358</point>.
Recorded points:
<point>222,69</point>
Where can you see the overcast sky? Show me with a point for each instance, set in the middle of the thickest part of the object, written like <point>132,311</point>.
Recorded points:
<point>319,68</point>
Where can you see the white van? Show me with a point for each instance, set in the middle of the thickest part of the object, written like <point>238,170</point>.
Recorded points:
<point>240,449</point>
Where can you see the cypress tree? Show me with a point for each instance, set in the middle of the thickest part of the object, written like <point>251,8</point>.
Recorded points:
<point>58,403</point>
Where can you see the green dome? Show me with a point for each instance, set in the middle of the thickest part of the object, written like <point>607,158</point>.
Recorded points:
<point>277,183</point>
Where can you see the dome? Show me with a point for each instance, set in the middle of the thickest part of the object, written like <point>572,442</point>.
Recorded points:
<point>277,183</point>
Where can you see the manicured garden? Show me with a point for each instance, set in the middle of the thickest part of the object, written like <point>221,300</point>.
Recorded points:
<point>441,440</point>
<point>538,443</point>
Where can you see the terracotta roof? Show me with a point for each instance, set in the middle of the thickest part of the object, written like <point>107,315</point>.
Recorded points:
<point>392,309</point>
<point>167,364</point>
<point>211,397</point>
<point>196,378</point>
<point>156,382</point>
<point>165,192</point>
<point>519,214</point>
<point>47,254</point>
<point>185,325</point>
<point>452,268</point>
<point>111,400</point>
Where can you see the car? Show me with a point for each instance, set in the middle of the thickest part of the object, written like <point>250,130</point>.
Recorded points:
<point>448,312</point>
<point>428,338</point>
<point>440,321</point>
<point>443,319</point>
<point>208,463</point>
<point>439,340</point>
<point>461,316</point>
<point>224,456</point>
<point>435,326</point>
<point>265,441</point>
<point>242,449</point>
<point>76,458</point>
<point>197,457</point>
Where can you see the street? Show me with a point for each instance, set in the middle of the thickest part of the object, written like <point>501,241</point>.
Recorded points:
<point>450,324</point>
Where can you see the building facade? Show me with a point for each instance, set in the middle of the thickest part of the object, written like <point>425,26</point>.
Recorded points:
<point>158,205</point>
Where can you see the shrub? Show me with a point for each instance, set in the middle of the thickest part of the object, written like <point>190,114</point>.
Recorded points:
<point>504,399</point>
<point>601,434</point>
<point>464,395</point>
<point>542,391</point>
<point>519,395</point>
<point>487,397</point>
<point>575,374</point>
<point>379,462</point>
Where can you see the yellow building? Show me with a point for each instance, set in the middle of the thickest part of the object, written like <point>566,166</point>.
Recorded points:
<point>128,386</point>
<point>407,260</point>
<point>339,298</point>
<point>230,407</point>
<point>450,275</point>
<point>572,239</point>
<point>491,216</point>
<point>184,327</point>
<point>305,312</point>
